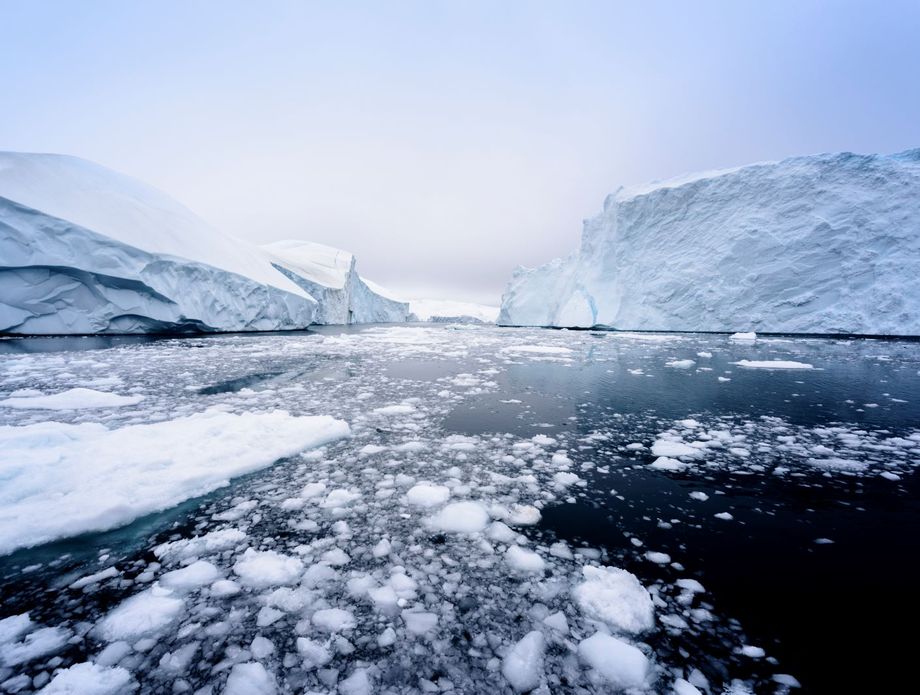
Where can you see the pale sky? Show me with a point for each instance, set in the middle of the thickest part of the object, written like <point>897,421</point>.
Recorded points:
<point>444,143</point>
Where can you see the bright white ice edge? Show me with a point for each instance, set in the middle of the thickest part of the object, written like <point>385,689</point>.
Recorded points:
<point>84,249</point>
<point>816,244</point>
<point>61,480</point>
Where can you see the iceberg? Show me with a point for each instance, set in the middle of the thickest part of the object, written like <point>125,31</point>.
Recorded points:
<point>328,275</point>
<point>84,250</point>
<point>451,311</point>
<point>816,244</point>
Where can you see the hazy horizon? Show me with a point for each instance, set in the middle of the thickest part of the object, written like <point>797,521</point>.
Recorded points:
<point>444,144</point>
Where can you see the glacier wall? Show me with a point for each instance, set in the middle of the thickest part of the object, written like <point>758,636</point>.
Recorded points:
<point>816,244</point>
<point>59,278</point>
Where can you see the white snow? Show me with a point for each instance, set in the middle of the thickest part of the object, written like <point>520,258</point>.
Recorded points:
<point>616,662</point>
<point>664,463</point>
<point>62,480</point>
<point>90,679</point>
<point>523,664</point>
<point>264,568</point>
<point>523,560</point>
<point>773,364</point>
<point>39,643</point>
<point>334,620</point>
<point>250,678</point>
<point>616,598</point>
<point>191,577</point>
<point>460,517</point>
<point>674,449</point>
<point>743,337</point>
<point>71,399</point>
<point>141,615</point>
<point>813,244</point>
<point>426,495</point>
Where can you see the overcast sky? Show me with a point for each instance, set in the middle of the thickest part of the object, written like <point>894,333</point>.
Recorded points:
<point>447,142</point>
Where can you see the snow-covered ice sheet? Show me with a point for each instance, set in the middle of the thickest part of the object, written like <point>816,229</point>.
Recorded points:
<point>63,479</point>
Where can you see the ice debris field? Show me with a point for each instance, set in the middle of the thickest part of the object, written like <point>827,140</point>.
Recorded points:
<point>365,511</point>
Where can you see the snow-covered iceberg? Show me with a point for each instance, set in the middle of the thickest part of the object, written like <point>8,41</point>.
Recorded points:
<point>84,249</point>
<point>328,275</point>
<point>817,244</point>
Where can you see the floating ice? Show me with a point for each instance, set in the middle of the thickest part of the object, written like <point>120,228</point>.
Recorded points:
<point>616,598</point>
<point>90,679</point>
<point>141,615</point>
<point>71,399</point>
<point>263,568</point>
<point>523,560</point>
<point>523,664</point>
<point>460,517</point>
<point>426,495</point>
<point>616,662</point>
<point>773,364</point>
<point>62,480</point>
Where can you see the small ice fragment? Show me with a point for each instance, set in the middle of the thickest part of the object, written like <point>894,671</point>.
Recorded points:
<point>523,664</point>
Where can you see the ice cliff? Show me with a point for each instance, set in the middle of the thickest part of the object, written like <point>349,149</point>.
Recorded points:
<point>816,244</point>
<point>84,249</point>
<point>328,274</point>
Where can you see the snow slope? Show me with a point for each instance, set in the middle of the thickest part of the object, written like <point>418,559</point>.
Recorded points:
<point>328,275</point>
<point>87,250</point>
<point>816,244</point>
<point>441,310</point>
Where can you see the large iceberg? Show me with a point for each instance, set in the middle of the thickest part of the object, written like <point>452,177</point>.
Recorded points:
<point>328,275</point>
<point>84,249</point>
<point>817,244</point>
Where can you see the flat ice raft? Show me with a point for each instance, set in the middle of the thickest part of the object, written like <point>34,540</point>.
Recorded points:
<point>62,480</point>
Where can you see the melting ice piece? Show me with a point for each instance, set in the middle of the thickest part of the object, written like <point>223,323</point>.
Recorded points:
<point>523,664</point>
<point>460,517</point>
<point>617,662</point>
<point>615,597</point>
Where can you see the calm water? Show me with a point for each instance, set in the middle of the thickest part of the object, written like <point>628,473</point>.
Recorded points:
<point>828,613</point>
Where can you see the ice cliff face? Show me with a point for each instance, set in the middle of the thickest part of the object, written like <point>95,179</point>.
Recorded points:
<point>328,274</point>
<point>84,249</point>
<point>817,244</point>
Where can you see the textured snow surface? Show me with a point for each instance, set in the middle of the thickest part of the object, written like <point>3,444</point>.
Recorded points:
<point>815,244</point>
<point>65,479</point>
<point>409,557</point>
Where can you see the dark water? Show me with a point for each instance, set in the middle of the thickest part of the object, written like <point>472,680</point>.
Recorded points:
<point>838,616</point>
<point>834,615</point>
